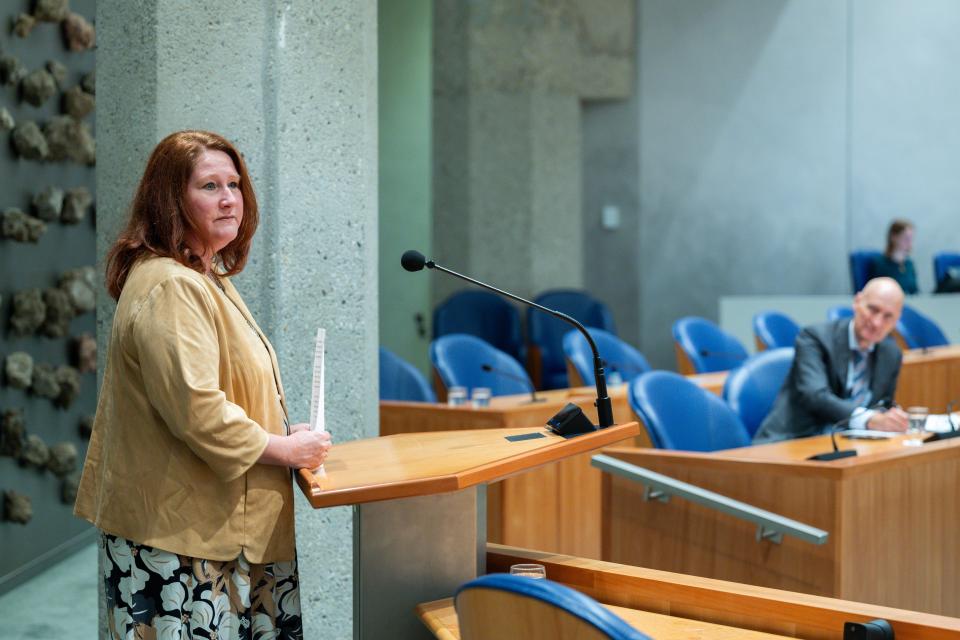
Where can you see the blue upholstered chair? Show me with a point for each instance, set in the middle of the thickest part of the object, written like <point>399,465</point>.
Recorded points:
<point>918,331</point>
<point>860,264</point>
<point>484,315</point>
<point>620,359</point>
<point>400,380</point>
<point>838,312</point>
<point>545,333</point>
<point>499,605</point>
<point>680,415</point>
<point>751,388</point>
<point>459,359</point>
<point>943,263</point>
<point>703,347</point>
<point>774,330</point>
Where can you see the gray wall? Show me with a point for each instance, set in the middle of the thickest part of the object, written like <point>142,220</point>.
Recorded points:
<point>771,137</point>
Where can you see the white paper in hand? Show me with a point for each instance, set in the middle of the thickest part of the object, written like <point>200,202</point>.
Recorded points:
<point>316,405</point>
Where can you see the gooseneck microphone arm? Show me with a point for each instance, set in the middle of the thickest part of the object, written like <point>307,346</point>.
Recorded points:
<point>415,261</point>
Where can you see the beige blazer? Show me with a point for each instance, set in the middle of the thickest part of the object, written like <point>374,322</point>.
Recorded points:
<point>190,391</point>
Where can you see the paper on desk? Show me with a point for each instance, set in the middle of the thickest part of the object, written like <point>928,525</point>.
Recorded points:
<point>316,405</point>
<point>868,434</point>
<point>936,423</point>
<point>939,423</point>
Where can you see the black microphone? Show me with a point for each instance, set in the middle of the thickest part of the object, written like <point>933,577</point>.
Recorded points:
<point>707,353</point>
<point>415,261</point>
<point>836,454</point>
<point>506,374</point>
<point>946,435</point>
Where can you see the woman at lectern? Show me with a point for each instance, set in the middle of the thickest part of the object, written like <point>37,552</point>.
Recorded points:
<point>187,474</point>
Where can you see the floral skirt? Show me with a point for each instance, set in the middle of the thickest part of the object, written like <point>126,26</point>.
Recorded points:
<point>157,594</point>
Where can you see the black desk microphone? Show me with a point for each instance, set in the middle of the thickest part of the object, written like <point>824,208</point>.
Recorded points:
<point>836,454</point>
<point>568,424</point>
<point>946,435</point>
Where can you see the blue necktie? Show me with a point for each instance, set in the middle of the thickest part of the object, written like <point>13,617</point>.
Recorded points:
<point>859,391</point>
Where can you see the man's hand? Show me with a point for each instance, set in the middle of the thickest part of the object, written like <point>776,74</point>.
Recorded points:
<point>894,419</point>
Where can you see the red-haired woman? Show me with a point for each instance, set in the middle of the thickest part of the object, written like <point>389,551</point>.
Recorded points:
<point>188,470</point>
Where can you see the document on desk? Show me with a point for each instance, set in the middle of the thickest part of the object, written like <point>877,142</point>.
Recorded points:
<point>939,422</point>
<point>868,434</point>
<point>936,423</point>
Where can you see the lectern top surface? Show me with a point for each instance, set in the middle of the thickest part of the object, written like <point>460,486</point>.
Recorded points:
<point>414,464</point>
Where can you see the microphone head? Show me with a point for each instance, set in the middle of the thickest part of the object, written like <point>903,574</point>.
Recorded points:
<point>486,367</point>
<point>412,260</point>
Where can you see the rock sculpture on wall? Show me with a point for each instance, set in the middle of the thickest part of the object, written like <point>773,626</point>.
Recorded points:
<point>51,10</point>
<point>23,24</point>
<point>29,142</point>
<point>16,507</point>
<point>59,72</point>
<point>77,103</point>
<point>44,383</point>
<point>75,205</point>
<point>12,433</point>
<point>6,120</point>
<point>11,71</point>
<point>69,488</point>
<point>18,370</point>
<point>69,139</point>
<point>48,203</point>
<point>16,225</point>
<point>78,289</point>
<point>29,312</point>
<point>69,380</point>
<point>63,459</point>
<point>89,83</point>
<point>56,323</point>
<point>78,33</point>
<point>38,86</point>
<point>85,352</point>
<point>35,452</point>
<point>86,426</point>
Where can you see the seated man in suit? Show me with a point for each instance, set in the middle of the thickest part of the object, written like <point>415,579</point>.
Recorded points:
<point>845,369</point>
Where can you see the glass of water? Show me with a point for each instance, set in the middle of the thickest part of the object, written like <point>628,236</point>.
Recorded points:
<point>916,421</point>
<point>480,397</point>
<point>456,396</point>
<point>534,571</point>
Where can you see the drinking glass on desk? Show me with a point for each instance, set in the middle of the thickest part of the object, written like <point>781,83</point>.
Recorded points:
<point>916,420</point>
<point>456,396</point>
<point>480,397</point>
<point>534,571</point>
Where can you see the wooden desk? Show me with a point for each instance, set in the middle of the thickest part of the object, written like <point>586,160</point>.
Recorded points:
<point>556,507</point>
<point>670,606</point>
<point>929,378</point>
<point>891,512</point>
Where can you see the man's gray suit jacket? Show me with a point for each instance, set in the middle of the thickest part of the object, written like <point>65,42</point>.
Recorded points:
<point>814,395</point>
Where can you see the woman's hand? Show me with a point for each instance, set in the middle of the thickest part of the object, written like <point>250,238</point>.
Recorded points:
<point>302,449</point>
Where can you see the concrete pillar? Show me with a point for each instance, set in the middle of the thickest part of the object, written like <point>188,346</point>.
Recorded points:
<point>294,86</point>
<point>509,78</point>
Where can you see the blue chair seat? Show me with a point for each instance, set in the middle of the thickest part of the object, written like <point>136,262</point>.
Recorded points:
<point>400,380</point>
<point>861,264</point>
<point>918,331</point>
<point>774,330</point>
<point>707,347</point>
<point>498,606</point>
<point>680,415</point>
<point>751,388</point>
<point>620,359</point>
<point>459,360</point>
<point>482,314</point>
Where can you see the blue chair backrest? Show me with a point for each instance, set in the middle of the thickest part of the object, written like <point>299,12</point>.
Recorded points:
<point>546,332</point>
<point>484,315</point>
<point>459,359</point>
<point>775,329</point>
<point>861,263</point>
<point>943,263</point>
<point>499,605</point>
<point>400,380</point>
<point>680,415</point>
<point>919,331</point>
<point>619,357</point>
<point>709,347</point>
<point>839,312</point>
<point>751,388</point>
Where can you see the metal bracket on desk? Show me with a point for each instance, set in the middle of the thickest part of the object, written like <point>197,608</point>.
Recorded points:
<point>764,533</point>
<point>649,493</point>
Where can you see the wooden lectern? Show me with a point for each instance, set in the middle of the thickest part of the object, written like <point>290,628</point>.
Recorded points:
<point>420,519</point>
